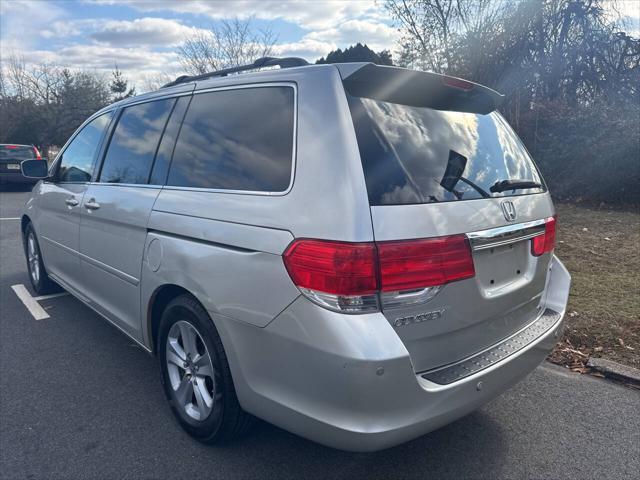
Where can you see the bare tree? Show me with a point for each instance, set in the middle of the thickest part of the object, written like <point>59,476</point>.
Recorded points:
<point>39,83</point>
<point>3,84</point>
<point>433,27</point>
<point>151,82</point>
<point>16,77</point>
<point>43,104</point>
<point>427,25</point>
<point>233,43</point>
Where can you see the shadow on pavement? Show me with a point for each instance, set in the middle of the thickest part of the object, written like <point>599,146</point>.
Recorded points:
<point>473,446</point>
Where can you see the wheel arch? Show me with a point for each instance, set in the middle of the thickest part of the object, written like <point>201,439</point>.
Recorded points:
<point>24,221</point>
<point>158,301</point>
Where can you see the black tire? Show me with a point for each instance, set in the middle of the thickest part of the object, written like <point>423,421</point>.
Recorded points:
<point>226,420</point>
<point>40,282</point>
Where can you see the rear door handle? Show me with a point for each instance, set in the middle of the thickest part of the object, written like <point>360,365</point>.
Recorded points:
<point>72,202</point>
<point>92,205</point>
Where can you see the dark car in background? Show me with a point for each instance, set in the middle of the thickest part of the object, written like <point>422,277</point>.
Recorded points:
<point>11,156</point>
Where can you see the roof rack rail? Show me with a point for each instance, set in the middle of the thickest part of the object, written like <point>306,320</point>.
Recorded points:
<point>286,62</point>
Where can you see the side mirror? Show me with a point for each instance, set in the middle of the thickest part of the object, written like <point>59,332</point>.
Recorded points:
<point>35,169</point>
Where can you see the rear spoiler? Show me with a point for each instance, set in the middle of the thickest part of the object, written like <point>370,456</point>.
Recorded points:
<point>417,89</point>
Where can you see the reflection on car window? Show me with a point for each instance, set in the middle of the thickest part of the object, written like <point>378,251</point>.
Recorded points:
<point>421,155</point>
<point>169,136</point>
<point>16,152</point>
<point>236,140</point>
<point>134,142</point>
<point>77,159</point>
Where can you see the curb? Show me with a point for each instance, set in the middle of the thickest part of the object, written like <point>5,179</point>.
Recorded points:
<point>615,370</point>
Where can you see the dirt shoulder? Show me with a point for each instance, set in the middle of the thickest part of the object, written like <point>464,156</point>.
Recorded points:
<point>601,250</point>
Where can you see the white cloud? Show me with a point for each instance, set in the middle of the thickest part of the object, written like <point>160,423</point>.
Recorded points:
<point>21,21</point>
<point>304,13</point>
<point>629,8</point>
<point>143,31</point>
<point>137,63</point>
<point>68,28</point>
<point>306,48</point>
<point>319,43</point>
<point>377,36</point>
<point>627,14</point>
<point>145,47</point>
<point>159,32</point>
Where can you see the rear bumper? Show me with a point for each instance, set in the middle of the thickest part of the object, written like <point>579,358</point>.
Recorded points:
<point>347,381</point>
<point>16,177</point>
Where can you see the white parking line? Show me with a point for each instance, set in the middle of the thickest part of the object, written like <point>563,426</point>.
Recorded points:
<point>10,218</point>
<point>31,303</point>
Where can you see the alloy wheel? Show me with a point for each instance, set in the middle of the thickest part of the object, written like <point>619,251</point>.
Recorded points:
<point>33,258</point>
<point>191,372</point>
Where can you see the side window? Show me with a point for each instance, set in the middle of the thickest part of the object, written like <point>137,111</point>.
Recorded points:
<point>77,159</point>
<point>236,140</point>
<point>134,142</point>
<point>168,142</point>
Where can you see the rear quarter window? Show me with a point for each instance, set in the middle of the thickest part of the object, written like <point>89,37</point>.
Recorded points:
<point>414,155</point>
<point>239,139</point>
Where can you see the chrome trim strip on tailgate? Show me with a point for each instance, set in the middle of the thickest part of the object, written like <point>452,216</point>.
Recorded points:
<point>495,237</point>
<point>500,351</point>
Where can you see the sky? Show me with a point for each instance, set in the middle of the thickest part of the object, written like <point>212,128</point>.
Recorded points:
<point>141,36</point>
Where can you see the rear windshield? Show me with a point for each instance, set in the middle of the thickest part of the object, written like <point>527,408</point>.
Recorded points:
<point>16,152</point>
<point>421,155</point>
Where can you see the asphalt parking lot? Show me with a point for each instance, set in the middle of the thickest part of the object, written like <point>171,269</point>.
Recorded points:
<point>79,400</point>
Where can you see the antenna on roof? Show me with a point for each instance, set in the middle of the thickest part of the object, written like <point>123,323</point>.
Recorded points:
<point>286,62</point>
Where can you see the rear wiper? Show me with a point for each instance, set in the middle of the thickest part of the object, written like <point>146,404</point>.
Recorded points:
<point>504,185</point>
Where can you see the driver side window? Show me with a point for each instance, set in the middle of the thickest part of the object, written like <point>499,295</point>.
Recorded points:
<point>77,160</point>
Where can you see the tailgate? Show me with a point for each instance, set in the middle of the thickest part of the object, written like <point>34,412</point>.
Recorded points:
<point>454,192</point>
<point>470,315</point>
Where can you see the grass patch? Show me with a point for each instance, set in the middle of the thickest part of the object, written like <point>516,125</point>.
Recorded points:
<point>601,250</point>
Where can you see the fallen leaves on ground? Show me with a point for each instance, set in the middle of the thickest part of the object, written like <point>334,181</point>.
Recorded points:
<point>569,356</point>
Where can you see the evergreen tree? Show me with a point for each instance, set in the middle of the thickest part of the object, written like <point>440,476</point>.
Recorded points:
<point>358,53</point>
<point>119,86</point>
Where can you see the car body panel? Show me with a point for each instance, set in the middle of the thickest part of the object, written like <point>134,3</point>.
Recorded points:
<point>112,240</point>
<point>451,218</point>
<point>257,291</point>
<point>503,296</point>
<point>58,227</point>
<point>15,177</point>
<point>346,381</point>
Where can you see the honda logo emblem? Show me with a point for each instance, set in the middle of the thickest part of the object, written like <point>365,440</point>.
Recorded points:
<point>509,210</point>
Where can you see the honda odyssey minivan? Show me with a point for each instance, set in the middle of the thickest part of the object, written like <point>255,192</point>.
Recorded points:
<point>356,253</point>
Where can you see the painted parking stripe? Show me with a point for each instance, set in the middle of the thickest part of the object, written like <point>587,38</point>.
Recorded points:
<point>31,303</point>
<point>53,295</point>
<point>10,218</point>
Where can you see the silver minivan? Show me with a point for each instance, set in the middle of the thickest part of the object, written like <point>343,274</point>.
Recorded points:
<point>356,253</point>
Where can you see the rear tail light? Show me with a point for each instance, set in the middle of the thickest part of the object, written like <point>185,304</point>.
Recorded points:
<point>339,276</point>
<point>37,153</point>
<point>413,264</point>
<point>333,267</point>
<point>348,277</point>
<point>546,242</point>
<point>458,83</point>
